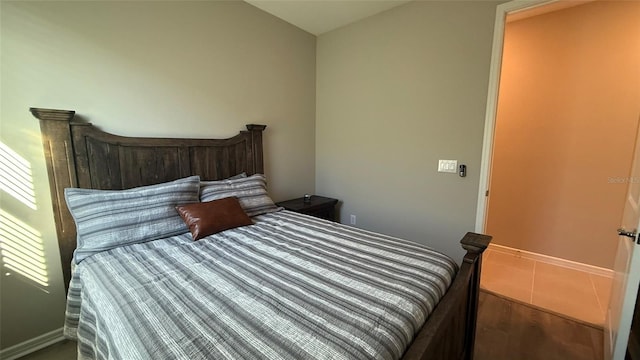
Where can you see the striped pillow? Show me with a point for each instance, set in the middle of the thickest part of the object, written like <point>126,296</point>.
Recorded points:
<point>250,191</point>
<point>106,219</point>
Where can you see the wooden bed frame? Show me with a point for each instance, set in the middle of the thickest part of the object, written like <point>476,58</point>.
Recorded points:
<point>80,155</point>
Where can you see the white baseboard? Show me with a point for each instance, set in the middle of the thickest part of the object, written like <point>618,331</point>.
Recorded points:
<point>32,345</point>
<point>553,260</point>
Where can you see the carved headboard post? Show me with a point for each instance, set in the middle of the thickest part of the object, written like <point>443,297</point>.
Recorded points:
<point>256,140</point>
<point>55,126</point>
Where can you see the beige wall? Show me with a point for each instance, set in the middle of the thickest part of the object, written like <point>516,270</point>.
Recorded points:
<point>181,69</point>
<point>395,93</point>
<point>568,109</point>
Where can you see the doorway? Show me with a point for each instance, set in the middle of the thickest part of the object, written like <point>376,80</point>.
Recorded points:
<point>556,158</point>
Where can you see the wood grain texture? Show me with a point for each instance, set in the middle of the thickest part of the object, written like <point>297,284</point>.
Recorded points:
<point>57,143</point>
<point>511,330</point>
<point>475,243</point>
<point>80,155</point>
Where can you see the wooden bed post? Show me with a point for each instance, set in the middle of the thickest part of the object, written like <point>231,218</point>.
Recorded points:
<point>449,333</point>
<point>256,140</point>
<point>61,167</point>
<point>475,244</point>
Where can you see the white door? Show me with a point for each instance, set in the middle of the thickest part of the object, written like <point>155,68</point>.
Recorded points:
<point>627,270</point>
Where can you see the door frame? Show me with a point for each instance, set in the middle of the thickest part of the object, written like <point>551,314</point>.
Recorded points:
<point>502,11</point>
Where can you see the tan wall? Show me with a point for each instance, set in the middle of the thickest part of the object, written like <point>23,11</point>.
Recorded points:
<point>181,69</point>
<point>568,109</point>
<point>395,93</point>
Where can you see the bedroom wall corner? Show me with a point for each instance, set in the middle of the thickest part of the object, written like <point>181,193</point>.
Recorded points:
<point>161,69</point>
<point>395,93</point>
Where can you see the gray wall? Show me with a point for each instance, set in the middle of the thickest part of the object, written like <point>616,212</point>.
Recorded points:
<point>183,69</point>
<point>395,93</point>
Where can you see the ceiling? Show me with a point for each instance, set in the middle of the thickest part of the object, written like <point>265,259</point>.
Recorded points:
<point>321,16</point>
<point>543,9</point>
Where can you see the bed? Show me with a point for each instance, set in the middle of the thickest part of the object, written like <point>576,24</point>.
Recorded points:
<point>341,292</point>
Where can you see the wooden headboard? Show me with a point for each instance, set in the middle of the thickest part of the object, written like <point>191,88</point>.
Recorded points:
<point>80,155</point>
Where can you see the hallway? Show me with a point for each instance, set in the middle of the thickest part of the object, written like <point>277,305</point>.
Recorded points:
<point>568,292</point>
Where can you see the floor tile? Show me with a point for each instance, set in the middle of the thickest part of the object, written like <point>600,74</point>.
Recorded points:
<point>511,260</point>
<point>508,275</point>
<point>566,291</point>
<point>486,254</point>
<point>570,292</point>
<point>602,285</point>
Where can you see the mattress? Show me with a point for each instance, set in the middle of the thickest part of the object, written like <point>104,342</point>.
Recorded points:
<point>288,287</point>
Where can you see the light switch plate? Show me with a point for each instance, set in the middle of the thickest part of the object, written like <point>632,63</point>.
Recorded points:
<point>448,166</point>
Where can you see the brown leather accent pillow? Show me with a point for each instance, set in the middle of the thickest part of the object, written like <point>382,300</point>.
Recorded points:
<point>207,218</point>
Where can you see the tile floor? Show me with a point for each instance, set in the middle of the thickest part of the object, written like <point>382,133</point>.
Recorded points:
<point>576,294</point>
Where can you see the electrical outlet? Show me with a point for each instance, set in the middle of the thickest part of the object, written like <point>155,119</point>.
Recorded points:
<point>352,219</point>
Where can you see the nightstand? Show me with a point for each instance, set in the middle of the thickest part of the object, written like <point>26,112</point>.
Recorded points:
<point>319,206</point>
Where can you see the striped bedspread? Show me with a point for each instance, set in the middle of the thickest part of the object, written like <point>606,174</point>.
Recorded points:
<point>289,287</point>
